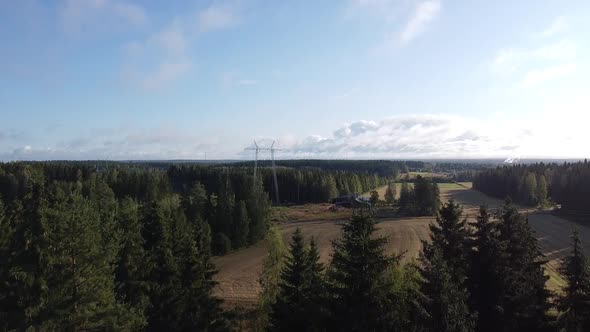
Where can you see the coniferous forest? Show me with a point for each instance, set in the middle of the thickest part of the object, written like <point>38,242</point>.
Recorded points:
<point>567,184</point>
<point>129,247</point>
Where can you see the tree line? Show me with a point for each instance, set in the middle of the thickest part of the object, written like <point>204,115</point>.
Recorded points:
<point>483,276</point>
<point>421,199</point>
<point>567,184</point>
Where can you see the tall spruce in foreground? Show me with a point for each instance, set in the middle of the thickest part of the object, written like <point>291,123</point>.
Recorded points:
<point>196,306</point>
<point>450,235</point>
<point>359,290</point>
<point>574,304</point>
<point>483,279</point>
<point>523,298</point>
<point>443,268</point>
<point>298,306</point>
<point>447,299</point>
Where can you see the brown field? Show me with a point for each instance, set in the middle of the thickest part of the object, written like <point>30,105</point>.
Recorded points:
<point>239,271</point>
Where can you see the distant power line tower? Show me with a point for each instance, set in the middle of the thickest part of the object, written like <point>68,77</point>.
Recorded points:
<point>272,150</point>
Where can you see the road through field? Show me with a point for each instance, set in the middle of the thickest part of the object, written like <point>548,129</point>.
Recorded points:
<point>239,271</point>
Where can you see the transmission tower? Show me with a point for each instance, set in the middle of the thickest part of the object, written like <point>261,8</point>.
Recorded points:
<point>272,150</point>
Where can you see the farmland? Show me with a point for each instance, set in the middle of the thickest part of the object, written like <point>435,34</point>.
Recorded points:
<point>238,271</point>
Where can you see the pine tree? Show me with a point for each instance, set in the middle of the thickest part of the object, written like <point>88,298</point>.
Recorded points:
<point>358,288</point>
<point>80,279</point>
<point>25,287</point>
<point>574,304</point>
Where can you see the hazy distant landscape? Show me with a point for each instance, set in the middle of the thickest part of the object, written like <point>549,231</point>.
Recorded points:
<point>243,165</point>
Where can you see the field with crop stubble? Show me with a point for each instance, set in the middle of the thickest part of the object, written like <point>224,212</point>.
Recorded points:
<point>239,271</point>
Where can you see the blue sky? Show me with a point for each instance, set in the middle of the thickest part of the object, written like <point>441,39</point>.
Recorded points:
<point>151,79</point>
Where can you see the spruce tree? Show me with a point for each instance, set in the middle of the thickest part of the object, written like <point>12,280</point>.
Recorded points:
<point>574,304</point>
<point>447,303</point>
<point>241,226</point>
<point>483,282</point>
<point>316,305</point>
<point>196,307</point>
<point>359,289</point>
<point>289,310</point>
<point>407,201</point>
<point>130,273</point>
<point>523,297</point>
<point>161,267</point>
<point>450,235</point>
<point>25,287</point>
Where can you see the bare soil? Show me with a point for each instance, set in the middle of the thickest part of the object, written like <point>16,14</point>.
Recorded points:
<point>239,271</point>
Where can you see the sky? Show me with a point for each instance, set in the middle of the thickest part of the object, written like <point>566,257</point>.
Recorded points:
<point>370,79</point>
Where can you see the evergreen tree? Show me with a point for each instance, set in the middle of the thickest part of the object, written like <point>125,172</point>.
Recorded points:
<point>130,275</point>
<point>390,193</point>
<point>484,284</point>
<point>241,226</point>
<point>447,303</point>
<point>357,275</point>
<point>80,279</point>
<point>196,308</point>
<point>316,291</point>
<point>407,201</point>
<point>162,268</point>
<point>449,236</point>
<point>574,304</point>
<point>25,288</point>
<point>289,310</point>
<point>259,213</point>
<point>522,296</point>
<point>407,299</point>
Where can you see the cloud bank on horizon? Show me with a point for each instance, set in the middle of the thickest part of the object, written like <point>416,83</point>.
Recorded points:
<point>123,79</point>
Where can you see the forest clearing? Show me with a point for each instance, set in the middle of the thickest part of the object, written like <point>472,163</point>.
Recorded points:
<point>239,271</point>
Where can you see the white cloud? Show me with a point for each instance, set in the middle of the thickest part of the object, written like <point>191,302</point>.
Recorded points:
<point>424,13</point>
<point>451,136</point>
<point>166,73</point>
<point>547,60</point>
<point>78,15</point>
<point>216,17</point>
<point>171,39</point>
<point>538,76</point>
<point>510,60</point>
<point>559,25</point>
<point>165,56</point>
